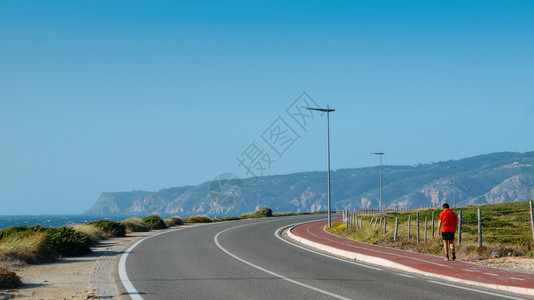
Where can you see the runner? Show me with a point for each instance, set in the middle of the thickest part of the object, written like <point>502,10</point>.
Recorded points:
<point>448,220</point>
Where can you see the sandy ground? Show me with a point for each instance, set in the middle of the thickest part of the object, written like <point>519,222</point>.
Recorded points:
<point>87,277</point>
<point>519,264</point>
<point>94,276</point>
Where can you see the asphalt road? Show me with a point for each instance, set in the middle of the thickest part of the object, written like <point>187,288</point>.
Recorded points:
<point>246,260</point>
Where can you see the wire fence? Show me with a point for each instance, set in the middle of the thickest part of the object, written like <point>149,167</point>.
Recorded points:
<point>509,223</point>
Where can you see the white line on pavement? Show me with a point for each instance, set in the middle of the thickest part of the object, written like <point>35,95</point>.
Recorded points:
<point>216,239</point>
<point>475,290</point>
<point>277,234</point>
<point>134,294</point>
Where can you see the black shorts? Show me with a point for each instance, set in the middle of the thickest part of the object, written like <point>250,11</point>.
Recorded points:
<point>448,236</point>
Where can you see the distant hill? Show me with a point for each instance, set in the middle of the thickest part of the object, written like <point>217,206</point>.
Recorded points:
<point>490,178</point>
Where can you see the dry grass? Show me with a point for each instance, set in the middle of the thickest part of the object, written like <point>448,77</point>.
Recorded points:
<point>135,225</point>
<point>93,232</point>
<point>469,250</point>
<point>30,248</point>
<point>198,219</point>
<point>173,221</point>
<point>8,279</point>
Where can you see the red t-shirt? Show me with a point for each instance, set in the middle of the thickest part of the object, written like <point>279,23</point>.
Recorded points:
<point>448,218</point>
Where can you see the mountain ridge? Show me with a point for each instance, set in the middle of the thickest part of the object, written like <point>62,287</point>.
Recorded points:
<point>488,178</point>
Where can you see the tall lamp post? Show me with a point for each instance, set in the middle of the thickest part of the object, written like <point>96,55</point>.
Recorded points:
<point>380,154</point>
<point>327,111</point>
<point>454,183</point>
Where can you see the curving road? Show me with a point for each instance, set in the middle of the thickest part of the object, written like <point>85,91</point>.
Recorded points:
<point>247,260</point>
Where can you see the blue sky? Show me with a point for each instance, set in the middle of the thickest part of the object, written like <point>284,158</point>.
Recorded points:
<point>108,95</point>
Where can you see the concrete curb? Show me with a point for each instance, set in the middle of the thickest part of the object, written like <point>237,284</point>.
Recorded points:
<point>396,266</point>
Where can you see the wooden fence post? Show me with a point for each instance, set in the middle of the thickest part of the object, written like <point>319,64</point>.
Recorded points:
<point>384,225</point>
<point>417,228</point>
<point>479,228</point>
<point>433,225</point>
<point>371,223</point>
<point>532,219</point>
<point>426,226</point>
<point>396,229</point>
<point>459,227</point>
<point>409,226</point>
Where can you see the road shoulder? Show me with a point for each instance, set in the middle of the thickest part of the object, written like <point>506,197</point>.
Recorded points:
<point>382,262</point>
<point>93,275</point>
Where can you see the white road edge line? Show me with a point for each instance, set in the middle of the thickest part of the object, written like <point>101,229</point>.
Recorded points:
<point>134,294</point>
<point>216,239</point>
<point>277,234</point>
<point>475,290</point>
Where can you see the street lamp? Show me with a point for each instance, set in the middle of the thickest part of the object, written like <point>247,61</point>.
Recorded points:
<point>454,191</point>
<point>380,154</point>
<point>327,111</point>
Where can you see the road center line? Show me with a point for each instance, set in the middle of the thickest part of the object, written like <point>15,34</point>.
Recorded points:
<point>216,239</point>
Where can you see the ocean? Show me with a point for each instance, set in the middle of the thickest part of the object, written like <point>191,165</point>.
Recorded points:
<point>52,220</point>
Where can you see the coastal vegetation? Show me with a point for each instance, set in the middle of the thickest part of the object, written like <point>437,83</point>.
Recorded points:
<point>260,213</point>
<point>135,225</point>
<point>8,279</point>
<point>154,222</point>
<point>506,231</point>
<point>35,244</point>
<point>94,233</point>
<point>198,219</point>
<point>112,228</point>
<point>173,221</point>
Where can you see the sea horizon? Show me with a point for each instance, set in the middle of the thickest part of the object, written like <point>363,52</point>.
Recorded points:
<point>56,220</point>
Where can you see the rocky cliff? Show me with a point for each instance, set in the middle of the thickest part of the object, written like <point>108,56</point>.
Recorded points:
<point>491,178</point>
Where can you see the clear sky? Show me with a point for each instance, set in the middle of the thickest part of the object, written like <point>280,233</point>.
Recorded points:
<point>103,96</point>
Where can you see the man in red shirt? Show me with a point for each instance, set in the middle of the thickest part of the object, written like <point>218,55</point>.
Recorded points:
<point>447,227</point>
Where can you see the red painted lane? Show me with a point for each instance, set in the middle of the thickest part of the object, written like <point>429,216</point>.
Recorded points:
<point>424,262</point>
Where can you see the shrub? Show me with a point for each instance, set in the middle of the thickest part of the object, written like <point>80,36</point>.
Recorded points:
<point>68,242</point>
<point>31,248</point>
<point>8,279</point>
<point>93,232</point>
<point>472,218</point>
<point>224,219</point>
<point>198,219</point>
<point>21,231</point>
<point>154,222</point>
<point>286,214</point>
<point>173,221</point>
<point>111,227</point>
<point>135,225</point>
<point>36,244</point>
<point>260,213</point>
